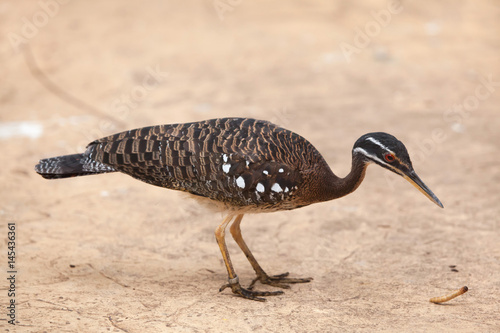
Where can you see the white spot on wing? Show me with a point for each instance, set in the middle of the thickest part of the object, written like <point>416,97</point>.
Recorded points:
<point>240,182</point>
<point>226,167</point>
<point>265,172</point>
<point>281,170</point>
<point>276,188</point>
<point>260,188</point>
<point>224,157</point>
<point>286,190</point>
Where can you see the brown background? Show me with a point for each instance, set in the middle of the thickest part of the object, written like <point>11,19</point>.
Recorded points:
<point>146,259</point>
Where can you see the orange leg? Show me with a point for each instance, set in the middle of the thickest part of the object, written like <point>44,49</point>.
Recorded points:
<point>233,281</point>
<point>280,281</point>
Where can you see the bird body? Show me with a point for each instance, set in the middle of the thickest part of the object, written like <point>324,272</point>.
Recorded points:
<point>243,163</point>
<point>240,165</point>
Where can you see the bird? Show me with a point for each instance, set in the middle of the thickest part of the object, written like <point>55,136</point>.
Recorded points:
<point>238,166</point>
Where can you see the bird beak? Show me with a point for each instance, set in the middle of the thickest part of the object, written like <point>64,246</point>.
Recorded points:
<point>419,184</point>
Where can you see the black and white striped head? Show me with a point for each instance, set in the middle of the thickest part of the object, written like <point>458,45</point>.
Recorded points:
<point>390,153</point>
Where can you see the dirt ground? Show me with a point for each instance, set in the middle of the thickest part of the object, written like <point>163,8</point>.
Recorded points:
<point>110,254</point>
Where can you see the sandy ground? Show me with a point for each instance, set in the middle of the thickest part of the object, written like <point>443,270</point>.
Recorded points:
<point>111,254</point>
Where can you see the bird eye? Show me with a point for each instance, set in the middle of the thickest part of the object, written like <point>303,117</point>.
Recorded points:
<point>389,157</point>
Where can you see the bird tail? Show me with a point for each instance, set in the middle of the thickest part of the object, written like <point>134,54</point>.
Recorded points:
<point>70,166</point>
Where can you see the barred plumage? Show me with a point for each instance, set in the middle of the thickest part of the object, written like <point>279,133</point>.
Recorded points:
<point>239,162</point>
<point>70,166</point>
<point>242,164</point>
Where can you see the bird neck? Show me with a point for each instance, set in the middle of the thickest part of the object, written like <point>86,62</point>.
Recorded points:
<point>339,187</point>
<point>324,185</point>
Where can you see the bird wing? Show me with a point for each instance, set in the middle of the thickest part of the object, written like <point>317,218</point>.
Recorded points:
<point>237,160</point>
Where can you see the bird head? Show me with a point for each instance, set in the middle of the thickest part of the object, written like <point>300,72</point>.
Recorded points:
<point>390,153</point>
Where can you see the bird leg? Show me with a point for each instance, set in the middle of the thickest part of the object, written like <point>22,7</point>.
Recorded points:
<point>280,281</point>
<point>233,281</point>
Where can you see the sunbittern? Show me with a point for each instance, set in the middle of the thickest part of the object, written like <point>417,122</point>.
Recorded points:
<point>240,165</point>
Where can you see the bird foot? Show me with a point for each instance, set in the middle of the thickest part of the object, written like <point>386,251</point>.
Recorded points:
<point>236,288</point>
<point>280,281</point>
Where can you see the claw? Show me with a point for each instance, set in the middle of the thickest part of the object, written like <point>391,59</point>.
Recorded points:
<point>247,293</point>
<point>279,281</point>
